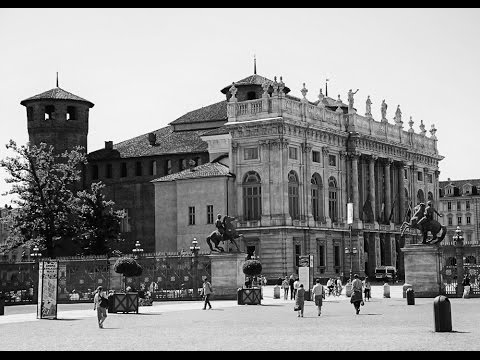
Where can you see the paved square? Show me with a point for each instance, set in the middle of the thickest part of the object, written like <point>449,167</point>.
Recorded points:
<point>383,324</point>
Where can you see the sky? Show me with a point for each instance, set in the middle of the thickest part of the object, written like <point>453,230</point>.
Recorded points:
<point>145,67</point>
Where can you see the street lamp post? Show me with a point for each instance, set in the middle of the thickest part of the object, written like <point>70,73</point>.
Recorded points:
<point>137,251</point>
<point>458,238</point>
<point>351,251</point>
<point>195,249</point>
<point>36,253</point>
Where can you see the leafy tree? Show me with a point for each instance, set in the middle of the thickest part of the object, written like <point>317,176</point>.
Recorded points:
<point>99,224</point>
<point>51,213</point>
<point>43,182</point>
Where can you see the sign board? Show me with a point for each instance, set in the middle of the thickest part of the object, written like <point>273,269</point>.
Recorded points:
<point>305,270</point>
<point>349,213</point>
<point>47,290</point>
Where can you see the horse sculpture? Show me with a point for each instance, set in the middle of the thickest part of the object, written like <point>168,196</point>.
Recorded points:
<point>437,230</point>
<point>230,234</point>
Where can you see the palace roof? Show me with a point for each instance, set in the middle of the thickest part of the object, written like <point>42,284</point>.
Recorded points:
<point>166,142</point>
<point>56,94</point>
<point>210,169</point>
<point>216,111</point>
<point>252,80</point>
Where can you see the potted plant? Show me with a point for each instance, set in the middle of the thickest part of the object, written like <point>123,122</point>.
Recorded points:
<point>250,294</point>
<point>125,301</point>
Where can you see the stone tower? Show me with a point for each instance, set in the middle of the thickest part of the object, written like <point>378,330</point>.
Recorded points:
<point>58,118</point>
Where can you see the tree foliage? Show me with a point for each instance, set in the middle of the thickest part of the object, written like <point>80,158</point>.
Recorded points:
<point>128,267</point>
<point>43,181</point>
<point>99,224</point>
<point>252,268</point>
<point>49,209</point>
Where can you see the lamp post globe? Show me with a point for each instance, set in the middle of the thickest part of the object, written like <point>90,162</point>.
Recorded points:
<point>195,249</point>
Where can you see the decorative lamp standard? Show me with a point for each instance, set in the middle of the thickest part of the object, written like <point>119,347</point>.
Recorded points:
<point>36,254</point>
<point>458,238</point>
<point>195,249</point>
<point>351,251</point>
<point>137,251</point>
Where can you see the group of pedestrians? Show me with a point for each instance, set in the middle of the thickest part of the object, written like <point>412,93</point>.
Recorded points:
<point>360,290</point>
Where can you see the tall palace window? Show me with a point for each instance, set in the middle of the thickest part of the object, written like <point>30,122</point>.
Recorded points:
<point>317,197</point>
<point>293,206</point>
<point>252,196</point>
<point>332,199</point>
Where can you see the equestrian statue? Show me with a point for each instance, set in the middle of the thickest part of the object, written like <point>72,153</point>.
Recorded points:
<point>225,231</point>
<point>423,220</point>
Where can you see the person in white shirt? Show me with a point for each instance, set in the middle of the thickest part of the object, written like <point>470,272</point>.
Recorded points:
<point>318,293</point>
<point>296,285</point>
<point>100,303</point>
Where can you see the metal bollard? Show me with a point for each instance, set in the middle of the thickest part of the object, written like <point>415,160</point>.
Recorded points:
<point>276,292</point>
<point>240,296</point>
<point>410,296</point>
<point>2,305</point>
<point>386,290</point>
<point>442,314</point>
<point>405,288</point>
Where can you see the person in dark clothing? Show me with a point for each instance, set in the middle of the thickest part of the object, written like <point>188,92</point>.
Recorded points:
<point>291,281</point>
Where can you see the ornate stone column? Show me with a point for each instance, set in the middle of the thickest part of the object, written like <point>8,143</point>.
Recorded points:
<point>306,188</point>
<point>355,156</point>
<point>238,181</point>
<point>266,193</point>
<point>401,189</point>
<point>371,174</point>
<point>388,190</point>
<point>325,186</point>
<point>343,186</point>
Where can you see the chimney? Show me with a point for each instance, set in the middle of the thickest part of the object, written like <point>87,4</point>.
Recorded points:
<point>152,138</point>
<point>108,145</point>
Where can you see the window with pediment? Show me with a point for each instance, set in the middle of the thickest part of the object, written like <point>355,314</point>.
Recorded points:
<point>252,196</point>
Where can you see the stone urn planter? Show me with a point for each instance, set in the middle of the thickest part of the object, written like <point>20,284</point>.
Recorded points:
<point>250,295</point>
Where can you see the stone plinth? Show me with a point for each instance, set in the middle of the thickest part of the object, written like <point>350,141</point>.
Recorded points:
<point>227,274</point>
<point>422,269</point>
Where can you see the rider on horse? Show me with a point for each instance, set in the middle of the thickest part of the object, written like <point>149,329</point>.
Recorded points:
<point>428,214</point>
<point>219,224</point>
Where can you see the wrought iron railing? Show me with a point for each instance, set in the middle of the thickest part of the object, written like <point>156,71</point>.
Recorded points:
<point>166,276</point>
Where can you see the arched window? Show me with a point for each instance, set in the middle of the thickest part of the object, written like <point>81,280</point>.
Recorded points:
<point>293,207</point>
<point>317,197</point>
<point>420,196</point>
<point>430,196</point>
<point>332,199</point>
<point>252,196</point>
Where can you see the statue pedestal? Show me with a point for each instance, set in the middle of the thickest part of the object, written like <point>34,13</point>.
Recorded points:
<point>227,274</point>
<point>422,269</point>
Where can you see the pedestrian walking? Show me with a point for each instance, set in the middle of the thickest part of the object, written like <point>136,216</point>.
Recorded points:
<point>318,293</point>
<point>100,303</point>
<point>296,286</point>
<point>367,289</point>
<point>207,290</point>
<point>300,300</point>
<point>285,286</point>
<point>357,298</point>
<point>291,281</point>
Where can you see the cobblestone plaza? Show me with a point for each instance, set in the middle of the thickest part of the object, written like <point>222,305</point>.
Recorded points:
<point>383,324</point>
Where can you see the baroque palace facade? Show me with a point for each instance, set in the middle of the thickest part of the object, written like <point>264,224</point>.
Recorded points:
<point>285,167</point>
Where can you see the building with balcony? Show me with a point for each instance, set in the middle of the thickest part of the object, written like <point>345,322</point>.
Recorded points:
<point>459,203</point>
<point>286,167</point>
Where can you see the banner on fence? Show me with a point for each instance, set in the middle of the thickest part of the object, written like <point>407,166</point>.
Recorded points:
<point>47,290</point>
